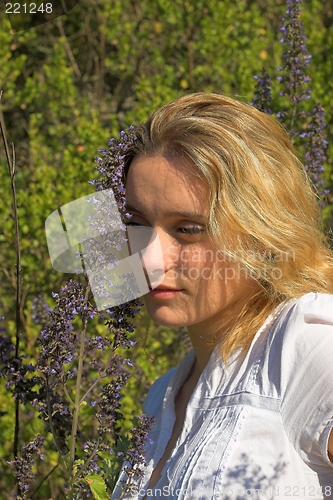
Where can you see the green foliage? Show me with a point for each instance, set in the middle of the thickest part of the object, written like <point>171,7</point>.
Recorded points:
<point>73,83</point>
<point>97,486</point>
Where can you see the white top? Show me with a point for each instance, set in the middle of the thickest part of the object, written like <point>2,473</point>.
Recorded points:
<point>257,427</point>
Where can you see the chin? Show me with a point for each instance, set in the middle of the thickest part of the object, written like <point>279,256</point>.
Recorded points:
<point>165,317</point>
<point>162,321</point>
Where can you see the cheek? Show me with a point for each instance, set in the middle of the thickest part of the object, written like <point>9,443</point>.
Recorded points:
<point>217,277</point>
<point>198,258</point>
<point>205,270</point>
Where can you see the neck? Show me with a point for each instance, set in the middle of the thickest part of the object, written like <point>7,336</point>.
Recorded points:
<point>207,334</point>
<point>202,353</point>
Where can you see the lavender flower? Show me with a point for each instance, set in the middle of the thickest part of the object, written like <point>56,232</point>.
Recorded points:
<point>63,367</point>
<point>293,79</point>
<point>59,424</point>
<point>41,310</point>
<point>134,457</point>
<point>58,340</point>
<point>24,464</point>
<point>262,96</point>
<point>315,145</point>
<point>20,378</point>
<point>118,323</point>
<point>112,164</point>
<point>107,408</point>
<point>295,87</point>
<point>6,356</point>
<point>108,288</point>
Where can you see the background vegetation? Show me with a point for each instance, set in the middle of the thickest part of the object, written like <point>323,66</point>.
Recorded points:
<point>73,83</point>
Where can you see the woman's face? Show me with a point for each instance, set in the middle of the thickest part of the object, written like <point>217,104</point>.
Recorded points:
<point>164,193</point>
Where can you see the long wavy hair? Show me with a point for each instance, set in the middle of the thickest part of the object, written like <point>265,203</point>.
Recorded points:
<point>262,203</point>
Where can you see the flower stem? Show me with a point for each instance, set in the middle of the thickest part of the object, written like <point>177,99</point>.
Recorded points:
<point>11,166</point>
<point>75,422</point>
<point>49,410</point>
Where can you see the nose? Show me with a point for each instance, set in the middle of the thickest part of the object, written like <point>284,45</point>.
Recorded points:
<point>156,250</point>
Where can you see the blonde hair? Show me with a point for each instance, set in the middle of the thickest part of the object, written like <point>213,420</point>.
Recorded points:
<point>262,204</point>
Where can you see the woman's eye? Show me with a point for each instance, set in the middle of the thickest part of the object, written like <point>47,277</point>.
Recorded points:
<point>189,230</point>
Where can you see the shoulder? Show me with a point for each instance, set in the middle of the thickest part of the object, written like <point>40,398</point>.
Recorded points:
<point>300,340</point>
<point>307,324</point>
<point>302,323</point>
<point>314,308</point>
<point>155,396</point>
<point>304,339</point>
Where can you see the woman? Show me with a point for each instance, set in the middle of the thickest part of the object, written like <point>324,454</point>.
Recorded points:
<point>249,411</point>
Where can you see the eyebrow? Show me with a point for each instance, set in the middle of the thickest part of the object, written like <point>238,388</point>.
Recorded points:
<point>171,213</point>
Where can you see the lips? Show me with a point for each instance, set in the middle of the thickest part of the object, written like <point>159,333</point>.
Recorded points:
<point>167,288</point>
<point>164,293</point>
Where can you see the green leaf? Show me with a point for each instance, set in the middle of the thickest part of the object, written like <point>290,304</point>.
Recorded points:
<point>97,486</point>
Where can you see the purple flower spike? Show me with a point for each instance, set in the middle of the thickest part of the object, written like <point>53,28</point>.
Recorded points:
<point>316,144</point>
<point>262,95</point>
<point>135,453</point>
<point>296,59</point>
<point>24,464</point>
<point>112,164</point>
